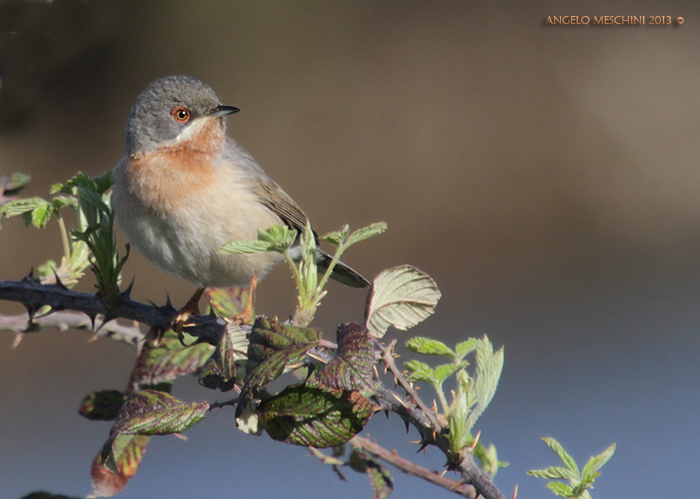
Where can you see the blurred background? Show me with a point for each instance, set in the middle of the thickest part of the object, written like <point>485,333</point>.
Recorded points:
<point>546,177</point>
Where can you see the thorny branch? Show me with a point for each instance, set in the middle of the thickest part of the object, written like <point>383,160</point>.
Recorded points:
<point>66,306</point>
<point>411,468</point>
<point>415,412</point>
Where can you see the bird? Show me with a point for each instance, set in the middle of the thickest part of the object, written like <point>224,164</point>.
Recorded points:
<point>184,188</point>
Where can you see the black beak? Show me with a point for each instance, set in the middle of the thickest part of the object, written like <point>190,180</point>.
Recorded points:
<point>219,111</point>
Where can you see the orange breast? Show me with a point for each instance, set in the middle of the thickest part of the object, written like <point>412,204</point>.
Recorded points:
<point>177,171</point>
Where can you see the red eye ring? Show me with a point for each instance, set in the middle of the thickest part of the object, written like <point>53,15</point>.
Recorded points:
<point>180,114</point>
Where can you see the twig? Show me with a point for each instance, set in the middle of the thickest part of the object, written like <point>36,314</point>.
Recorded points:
<point>410,468</point>
<point>126,333</point>
<point>388,358</point>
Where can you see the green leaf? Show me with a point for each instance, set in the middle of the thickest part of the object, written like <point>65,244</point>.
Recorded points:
<point>315,417</point>
<point>554,472</point>
<point>117,463</point>
<point>21,206</point>
<point>351,368</point>
<point>419,371</point>
<point>446,370</point>
<point>488,371</point>
<point>366,232</point>
<point>464,348</point>
<point>273,348</point>
<point>152,412</point>
<point>560,489</point>
<point>168,360</point>
<point>401,297</point>
<point>597,462</point>
<point>429,346</point>
<point>276,238</point>
<point>246,247</point>
<point>338,237</point>
<point>228,302</point>
<point>103,405</point>
<point>563,455</point>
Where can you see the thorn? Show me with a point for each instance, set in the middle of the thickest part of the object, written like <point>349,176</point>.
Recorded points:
<point>400,401</point>
<point>422,447</point>
<point>444,472</point>
<point>414,441</point>
<point>181,436</point>
<point>386,413</point>
<point>30,277</point>
<point>408,428</point>
<point>30,311</point>
<point>17,340</point>
<point>476,441</point>
<point>376,373</point>
<point>168,303</point>
<point>515,492</point>
<point>58,284</point>
<point>126,294</point>
<point>105,320</point>
<point>92,320</point>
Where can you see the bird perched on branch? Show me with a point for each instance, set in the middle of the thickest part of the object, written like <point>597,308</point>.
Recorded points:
<point>185,188</point>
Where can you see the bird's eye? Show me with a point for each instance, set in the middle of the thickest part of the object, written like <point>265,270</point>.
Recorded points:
<point>180,114</point>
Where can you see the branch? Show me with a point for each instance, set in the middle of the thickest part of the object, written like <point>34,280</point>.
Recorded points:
<point>416,413</point>
<point>21,324</point>
<point>207,328</point>
<point>411,468</point>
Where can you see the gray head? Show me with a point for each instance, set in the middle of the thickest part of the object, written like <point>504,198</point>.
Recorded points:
<point>167,108</point>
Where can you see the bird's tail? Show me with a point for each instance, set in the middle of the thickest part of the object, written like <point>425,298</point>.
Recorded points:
<point>341,272</point>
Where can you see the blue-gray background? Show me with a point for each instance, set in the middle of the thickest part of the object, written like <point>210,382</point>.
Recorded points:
<point>546,177</point>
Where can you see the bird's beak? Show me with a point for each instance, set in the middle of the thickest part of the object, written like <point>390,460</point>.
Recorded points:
<point>220,111</point>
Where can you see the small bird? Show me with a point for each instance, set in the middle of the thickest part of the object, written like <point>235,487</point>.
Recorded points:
<point>184,189</point>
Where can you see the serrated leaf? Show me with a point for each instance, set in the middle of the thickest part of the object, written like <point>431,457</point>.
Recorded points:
<point>446,370</point>
<point>124,455</point>
<point>168,359</point>
<point>315,417</point>
<point>561,489</point>
<point>597,462</point>
<point>351,368</point>
<point>419,371</point>
<point>336,238</point>
<point>21,206</point>
<point>488,371</point>
<point>429,346</point>
<point>269,336</point>
<point>563,455</point>
<point>228,302</point>
<point>464,348</point>
<point>219,372</point>
<point>401,297</point>
<point>246,247</point>
<point>102,405</point>
<point>272,349</point>
<point>554,472</point>
<point>276,238</point>
<point>366,232</point>
<point>152,412</point>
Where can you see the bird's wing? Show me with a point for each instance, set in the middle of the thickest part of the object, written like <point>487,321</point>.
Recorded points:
<point>272,196</point>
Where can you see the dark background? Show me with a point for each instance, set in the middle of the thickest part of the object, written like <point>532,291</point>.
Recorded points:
<point>546,177</point>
